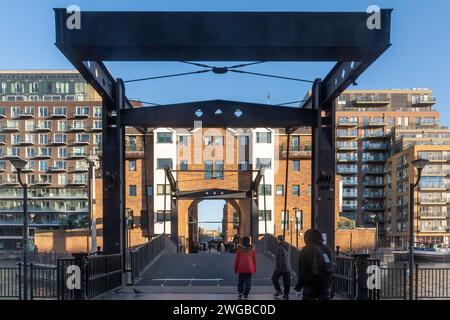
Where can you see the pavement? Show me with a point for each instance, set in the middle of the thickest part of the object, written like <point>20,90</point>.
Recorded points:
<point>202,276</point>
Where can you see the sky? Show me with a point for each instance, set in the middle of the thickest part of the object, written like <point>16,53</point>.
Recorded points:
<point>418,58</point>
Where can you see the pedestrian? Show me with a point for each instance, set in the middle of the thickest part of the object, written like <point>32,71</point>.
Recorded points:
<point>282,269</point>
<point>315,268</point>
<point>245,266</point>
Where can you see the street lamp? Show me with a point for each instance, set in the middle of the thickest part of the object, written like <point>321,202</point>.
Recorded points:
<point>19,164</point>
<point>419,164</point>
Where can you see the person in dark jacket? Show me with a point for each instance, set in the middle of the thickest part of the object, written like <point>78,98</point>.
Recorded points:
<point>282,269</point>
<point>245,266</point>
<point>315,268</point>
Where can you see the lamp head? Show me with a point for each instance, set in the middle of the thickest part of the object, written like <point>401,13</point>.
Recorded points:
<point>18,163</point>
<point>419,164</point>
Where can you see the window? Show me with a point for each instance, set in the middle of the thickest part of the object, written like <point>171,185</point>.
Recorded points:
<point>265,163</point>
<point>132,165</point>
<point>97,112</point>
<point>97,124</point>
<point>208,140</point>
<point>30,152</point>
<point>80,87</point>
<point>243,165</point>
<point>162,163</point>
<point>43,165</point>
<point>82,111</point>
<point>29,125</point>
<point>208,169</point>
<point>296,165</point>
<point>43,138</point>
<point>268,215</point>
<point>60,138</point>
<point>132,190</point>
<point>97,138</point>
<point>62,179</point>
<point>183,140</point>
<point>285,220</point>
<point>160,189</point>
<point>295,144</point>
<point>299,219</point>
<point>62,125</point>
<point>150,191</point>
<point>263,137</point>
<point>295,190</point>
<point>3,111</point>
<point>308,190</point>
<point>218,141</point>
<point>279,190</point>
<point>62,152</point>
<point>15,112</point>
<point>59,111</point>
<point>183,165</point>
<point>267,188</point>
<point>243,140</point>
<point>3,87</point>
<point>164,137</point>
<point>160,216</point>
<point>219,169</point>
<point>62,87</point>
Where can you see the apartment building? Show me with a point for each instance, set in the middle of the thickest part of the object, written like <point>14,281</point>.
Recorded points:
<point>364,121</point>
<point>52,119</point>
<point>432,195</point>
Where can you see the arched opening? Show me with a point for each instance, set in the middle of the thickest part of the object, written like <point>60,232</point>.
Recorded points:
<point>216,219</point>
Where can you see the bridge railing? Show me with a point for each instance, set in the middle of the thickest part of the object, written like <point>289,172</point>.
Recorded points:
<point>144,256</point>
<point>268,244</point>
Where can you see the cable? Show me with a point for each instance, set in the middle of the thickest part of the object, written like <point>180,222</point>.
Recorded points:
<point>167,76</point>
<point>271,76</point>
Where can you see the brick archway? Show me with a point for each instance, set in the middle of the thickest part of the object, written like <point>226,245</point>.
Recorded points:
<point>188,212</point>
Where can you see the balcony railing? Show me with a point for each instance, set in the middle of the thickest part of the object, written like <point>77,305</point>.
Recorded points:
<point>374,207</point>
<point>376,146</point>
<point>429,101</point>
<point>374,195</point>
<point>347,170</point>
<point>442,201</point>
<point>296,151</point>
<point>349,207</point>
<point>375,159</point>
<point>371,100</point>
<point>347,134</point>
<point>434,229</point>
<point>375,123</point>
<point>434,186</point>
<point>347,146</point>
<point>347,122</point>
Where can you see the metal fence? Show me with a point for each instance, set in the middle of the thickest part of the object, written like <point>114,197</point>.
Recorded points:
<point>9,282</point>
<point>103,273</point>
<point>142,257</point>
<point>432,283</point>
<point>344,279</point>
<point>42,282</point>
<point>63,292</point>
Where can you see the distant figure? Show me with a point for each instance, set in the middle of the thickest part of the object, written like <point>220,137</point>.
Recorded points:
<point>245,266</point>
<point>315,268</point>
<point>282,269</point>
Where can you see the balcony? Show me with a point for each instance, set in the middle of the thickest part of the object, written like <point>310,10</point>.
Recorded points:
<point>350,182</point>
<point>347,134</point>
<point>347,123</point>
<point>11,181</point>
<point>437,229</point>
<point>11,127</point>
<point>345,158</point>
<point>375,159</point>
<point>78,128</point>
<point>26,115</point>
<point>347,207</point>
<point>437,158</point>
<point>347,146</point>
<point>80,168</point>
<point>58,142</point>
<point>96,128</point>
<point>43,155</point>
<point>376,146</point>
<point>343,171</point>
<point>375,135</point>
<point>81,142</point>
<point>57,169</point>
<point>433,201</point>
<point>44,180</point>
<point>370,101</point>
<point>77,155</point>
<point>427,122</point>
<point>373,207</point>
<point>296,152</point>
<point>350,194</point>
<point>3,140</point>
<point>374,183</point>
<point>77,182</point>
<point>43,128</point>
<point>424,102</point>
<point>374,195</point>
<point>81,114</point>
<point>2,114</point>
<point>58,115</point>
<point>434,186</point>
<point>26,142</point>
<point>438,215</point>
<point>373,123</point>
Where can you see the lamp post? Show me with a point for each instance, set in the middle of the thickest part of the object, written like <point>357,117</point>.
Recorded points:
<point>19,164</point>
<point>419,164</point>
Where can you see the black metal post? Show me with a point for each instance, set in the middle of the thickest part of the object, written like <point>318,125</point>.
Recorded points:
<point>411,240</point>
<point>25,235</point>
<point>297,226</point>
<point>265,210</point>
<point>89,192</point>
<point>165,199</point>
<point>286,182</point>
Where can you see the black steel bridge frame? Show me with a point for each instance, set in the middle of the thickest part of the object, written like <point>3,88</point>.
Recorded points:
<point>341,37</point>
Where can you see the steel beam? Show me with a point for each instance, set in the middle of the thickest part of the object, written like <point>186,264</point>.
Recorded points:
<point>214,194</point>
<point>222,36</point>
<point>218,113</point>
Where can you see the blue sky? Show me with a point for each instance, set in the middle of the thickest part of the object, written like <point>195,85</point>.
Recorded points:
<point>419,56</point>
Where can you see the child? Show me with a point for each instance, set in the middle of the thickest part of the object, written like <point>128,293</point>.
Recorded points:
<point>245,266</point>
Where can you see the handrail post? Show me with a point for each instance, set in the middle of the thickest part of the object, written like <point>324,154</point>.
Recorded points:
<point>416,294</point>
<point>31,280</point>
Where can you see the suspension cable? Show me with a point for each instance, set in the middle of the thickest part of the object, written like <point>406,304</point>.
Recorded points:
<point>167,76</point>
<point>271,76</point>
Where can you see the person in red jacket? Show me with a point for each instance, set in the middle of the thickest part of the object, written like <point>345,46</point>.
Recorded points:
<point>245,266</point>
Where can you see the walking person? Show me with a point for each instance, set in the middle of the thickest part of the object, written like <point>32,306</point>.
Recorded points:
<point>245,266</point>
<point>282,269</point>
<point>315,268</point>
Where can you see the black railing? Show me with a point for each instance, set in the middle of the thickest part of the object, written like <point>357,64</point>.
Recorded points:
<point>432,283</point>
<point>344,279</point>
<point>9,282</point>
<point>144,256</point>
<point>103,273</point>
<point>63,292</point>
<point>43,282</point>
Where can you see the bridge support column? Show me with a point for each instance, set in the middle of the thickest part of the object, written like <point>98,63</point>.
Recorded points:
<point>113,157</point>
<point>323,167</point>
